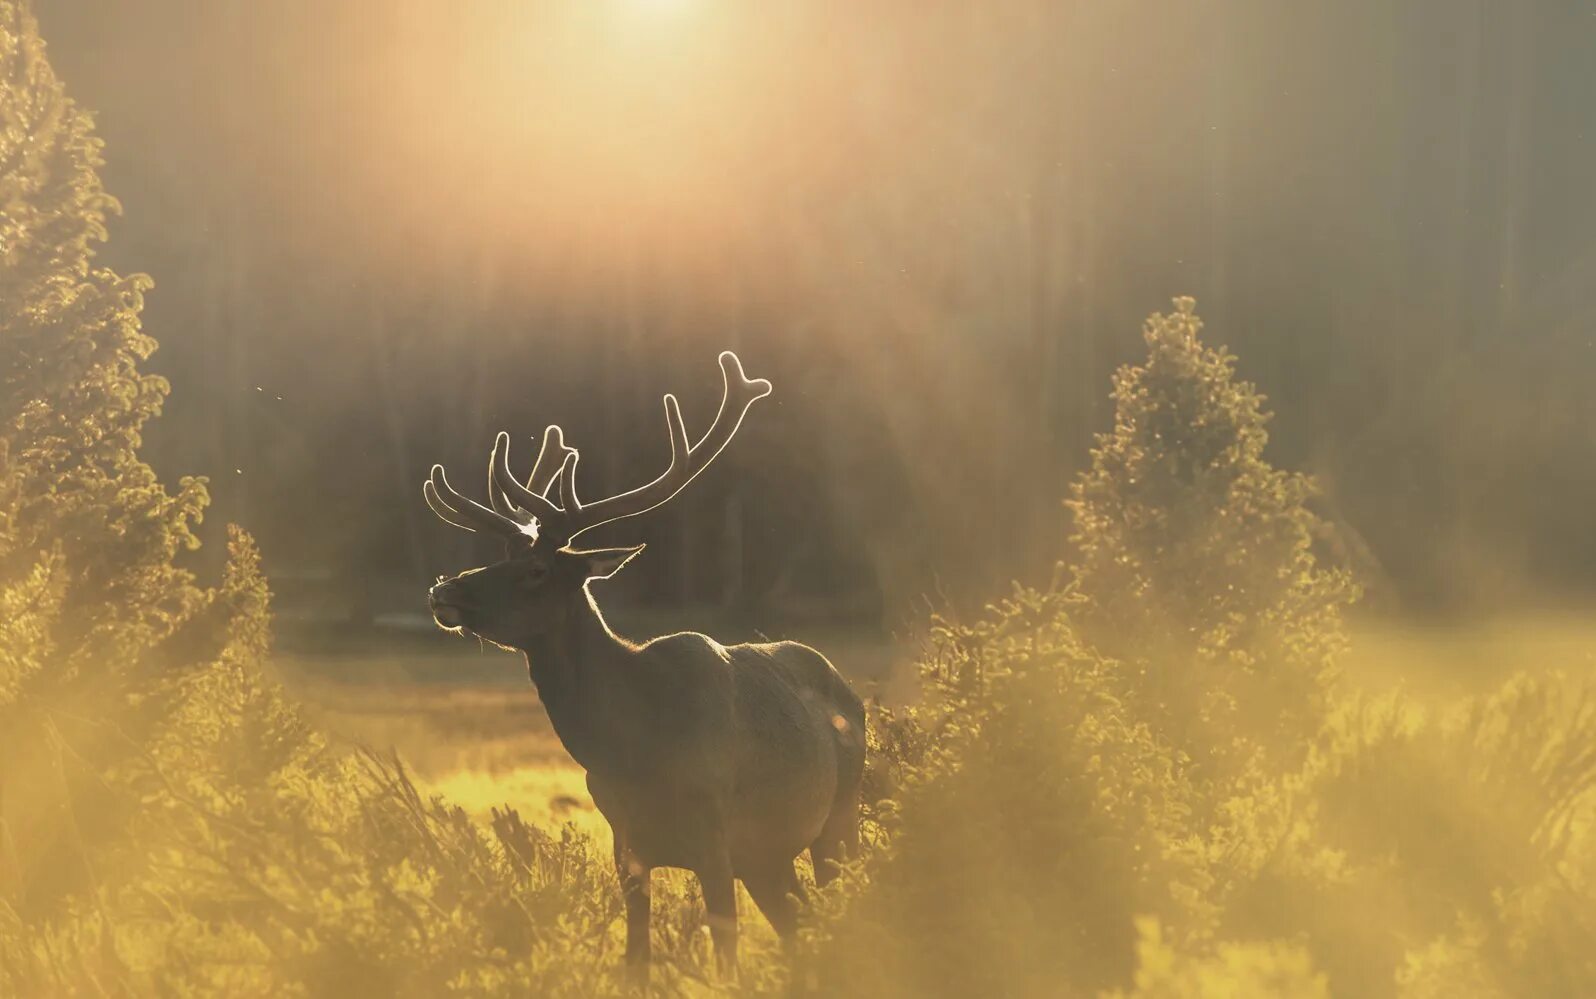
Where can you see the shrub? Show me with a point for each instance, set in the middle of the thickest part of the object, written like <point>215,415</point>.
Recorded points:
<point>1194,556</point>
<point>1231,970</point>
<point>1020,851</point>
<point>1067,821</point>
<point>1445,847</point>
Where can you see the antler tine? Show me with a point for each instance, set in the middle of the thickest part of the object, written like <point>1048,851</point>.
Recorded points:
<point>442,509</point>
<point>551,458</point>
<point>680,452</point>
<point>462,512</point>
<point>533,503</point>
<point>496,498</point>
<point>739,392</point>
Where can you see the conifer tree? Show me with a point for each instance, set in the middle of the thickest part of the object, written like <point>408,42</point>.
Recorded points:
<point>1195,553</point>
<point>74,495</point>
<point>92,599</point>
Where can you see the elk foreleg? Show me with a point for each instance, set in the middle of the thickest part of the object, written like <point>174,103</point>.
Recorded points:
<point>720,906</point>
<point>634,875</point>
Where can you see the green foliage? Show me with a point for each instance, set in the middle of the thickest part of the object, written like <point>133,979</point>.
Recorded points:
<point>1195,555</point>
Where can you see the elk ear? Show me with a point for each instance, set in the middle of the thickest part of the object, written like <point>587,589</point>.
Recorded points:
<point>603,563</point>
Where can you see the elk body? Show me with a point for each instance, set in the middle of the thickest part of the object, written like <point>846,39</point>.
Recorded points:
<point>726,760</point>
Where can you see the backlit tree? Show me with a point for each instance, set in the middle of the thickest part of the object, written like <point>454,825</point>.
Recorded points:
<point>1194,553</point>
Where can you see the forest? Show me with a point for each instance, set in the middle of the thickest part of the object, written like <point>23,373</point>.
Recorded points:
<point>1179,440</point>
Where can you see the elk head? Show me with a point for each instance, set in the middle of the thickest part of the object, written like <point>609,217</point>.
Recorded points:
<point>530,592</point>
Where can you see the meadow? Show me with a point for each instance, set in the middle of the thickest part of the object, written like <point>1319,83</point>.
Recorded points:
<point>467,722</point>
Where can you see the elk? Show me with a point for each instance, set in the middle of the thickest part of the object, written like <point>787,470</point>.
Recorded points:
<point>726,760</point>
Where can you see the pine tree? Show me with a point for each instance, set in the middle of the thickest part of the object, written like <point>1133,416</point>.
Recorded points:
<point>1195,553</point>
<point>74,495</point>
<point>91,597</point>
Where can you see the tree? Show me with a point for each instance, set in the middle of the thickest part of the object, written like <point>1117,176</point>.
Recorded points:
<point>88,534</point>
<point>72,399</point>
<point>169,823</point>
<point>1195,553</point>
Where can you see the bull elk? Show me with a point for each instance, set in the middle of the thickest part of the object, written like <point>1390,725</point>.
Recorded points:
<point>726,760</point>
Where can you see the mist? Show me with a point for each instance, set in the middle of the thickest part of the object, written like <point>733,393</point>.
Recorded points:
<point>937,230</point>
<point>1180,442</point>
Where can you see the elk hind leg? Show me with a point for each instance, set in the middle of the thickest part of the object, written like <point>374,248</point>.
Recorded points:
<point>775,889</point>
<point>839,837</point>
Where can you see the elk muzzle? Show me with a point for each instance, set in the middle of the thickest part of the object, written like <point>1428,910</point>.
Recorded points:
<point>447,604</point>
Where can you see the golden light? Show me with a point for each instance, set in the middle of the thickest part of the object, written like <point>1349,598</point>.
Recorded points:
<point>664,7</point>
<point>595,125</point>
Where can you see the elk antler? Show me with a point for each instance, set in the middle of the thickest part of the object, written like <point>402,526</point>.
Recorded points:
<point>739,392</point>
<point>466,513</point>
<point>516,506</point>
<point>537,484</point>
<point>548,465</point>
<point>529,501</point>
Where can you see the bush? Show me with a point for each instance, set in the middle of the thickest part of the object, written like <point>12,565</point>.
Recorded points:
<point>1195,561</point>
<point>1098,794</point>
<point>1445,848</point>
<point>1254,969</point>
<point>1020,857</point>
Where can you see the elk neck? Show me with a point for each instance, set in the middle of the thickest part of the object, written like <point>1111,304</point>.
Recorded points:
<point>581,670</point>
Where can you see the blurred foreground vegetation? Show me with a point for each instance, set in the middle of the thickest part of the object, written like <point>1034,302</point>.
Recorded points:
<point>1143,780</point>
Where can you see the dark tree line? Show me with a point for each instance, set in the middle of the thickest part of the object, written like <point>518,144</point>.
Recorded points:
<point>935,230</point>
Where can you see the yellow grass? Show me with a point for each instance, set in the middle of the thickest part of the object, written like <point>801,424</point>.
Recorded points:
<point>482,740</point>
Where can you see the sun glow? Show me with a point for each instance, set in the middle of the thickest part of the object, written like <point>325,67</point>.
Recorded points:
<point>661,7</point>
<point>587,128</point>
